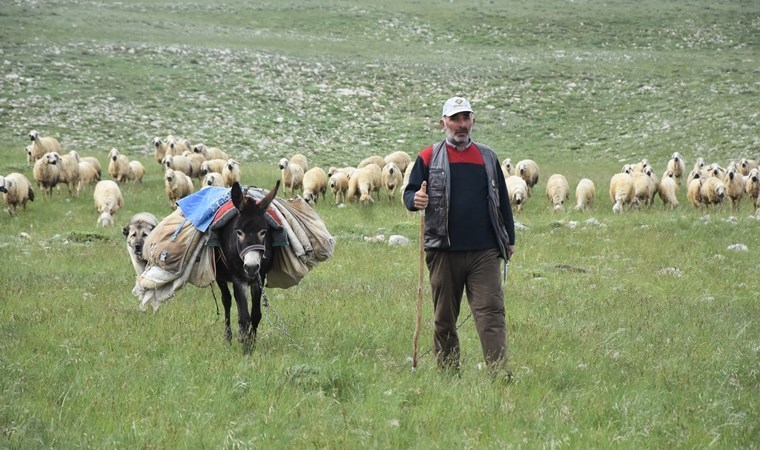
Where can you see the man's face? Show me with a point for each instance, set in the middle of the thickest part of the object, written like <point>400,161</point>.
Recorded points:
<point>458,127</point>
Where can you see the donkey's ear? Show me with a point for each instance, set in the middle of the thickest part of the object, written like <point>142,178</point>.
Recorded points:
<point>237,195</point>
<point>264,203</point>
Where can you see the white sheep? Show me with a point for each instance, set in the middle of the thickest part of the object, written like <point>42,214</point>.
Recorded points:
<point>339,186</point>
<point>641,166</point>
<point>179,163</point>
<point>715,170</point>
<point>178,185</point>
<point>136,171</point>
<point>118,165</point>
<point>88,175</point>
<point>210,152</point>
<point>585,192</point>
<point>161,148</point>
<point>713,191</point>
<point>517,189</point>
<point>693,192</point>
<point>644,189</point>
<point>746,166</point>
<point>94,162</point>
<point>17,190</point>
<point>231,173</point>
<point>677,164</point>
<point>212,179</point>
<point>734,185</point>
<point>292,175</point>
<point>529,171</point>
<point>363,183</point>
<point>506,167</point>
<point>667,189</point>
<point>400,158</point>
<point>379,161</point>
<point>314,184</point>
<point>46,171</point>
<point>752,185</point>
<point>68,172</point>
<point>212,165</point>
<point>29,156</point>
<point>108,200</point>
<point>621,191</point>
<point>301,161</point>
<point>699,164</point>
<point>196,161</point>
<point>557,191</point>
<point>42,145</point>
<point>177,146</point>
<point>392,177</point>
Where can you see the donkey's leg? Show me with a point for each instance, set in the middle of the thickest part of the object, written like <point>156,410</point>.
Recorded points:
<point>256,292</point>
<point>227,303</point>
<point>244,319</point>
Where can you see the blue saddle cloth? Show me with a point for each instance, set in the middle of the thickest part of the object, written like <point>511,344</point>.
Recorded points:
<point>201,206</point>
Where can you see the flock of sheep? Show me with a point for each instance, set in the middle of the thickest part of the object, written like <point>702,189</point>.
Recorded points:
<point>635,186</point>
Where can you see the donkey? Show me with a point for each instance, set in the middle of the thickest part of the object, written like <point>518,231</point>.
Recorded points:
<point>243,258</point>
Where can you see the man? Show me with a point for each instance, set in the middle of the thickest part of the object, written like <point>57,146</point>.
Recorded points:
<point>468,229</point>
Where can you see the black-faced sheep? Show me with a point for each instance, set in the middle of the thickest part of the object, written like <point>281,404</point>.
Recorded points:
<point>506,167</point>
<point>529,171</point>
<point>557,191</point>
<point>621,191</point>
<point>212,165</point>
<point>138,228</point>
<point>212,179</point>
<point>178,146</point>
<point>400,158</point>
<point>746,166</point>
<point>231,173</point>
<point>734,185</point>
<point>29,156</point>
<point>161,147</point>
<point>677,164</point>
<point>339,186</point>
<point>715,170</point>
<point>46,170</point>
<point>179,163</point>
<point>17,190</point>
<point>178,185</point>
<point>752,185</point>
<point>585,192</point>
<point>196,161</point>
<point>713,191</point>
<point>292,175</point>
<point>210,152</point>
<point>518,191</point>
<point>392,178</point>
<point>667,189</point>
<point>108,200</point>
<point>314,184</point>
<point>118,165</point>
<point>42,145</point>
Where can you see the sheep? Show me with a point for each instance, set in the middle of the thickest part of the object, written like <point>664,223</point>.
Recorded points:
<point>363,182</point>
<point>400,158</point>
<point>301,161</point>
<point>715,170</point>
<point>177,146</point>
<point>693,192</point>
<point>677,164</point>
<point>87,175</point>
<point>212,165</point>
<point>118,165</point>
<point>42,145</point>
<point>374,159</point>
<point>667,189</point>
<point>734,185</point>
<point>529,171</point>
<point>136,171</point>
<point>641,166</point>
<point>752,185</point>
<point>17,190</point>
<point>713,191</point>
<point>178,185</point>
<point>314,183</point>
<point>392,178</point>
<point>108,200</point>
<point>506,167</point>
<point>699,164</point>
<point>339,186</point>
<point>347,170</point>
<point>644,189</point>
<point>196,161</point>
<point>212,179</point>
<point>179,163</point>
<point>210,152</point>
<point>46,171</point>
<point>94,162</point>
<point>231,173</point>
<point>585,192</point>
<point>291,174</point>
<point>68,172</point>
<point>746,166</point>
<point>557,191</point>
<point>696,173</point>
<point>138,228</point>
<point>29,156</point>
<point>621,191</point>
<point>161,147</point>
<point>517,190</point>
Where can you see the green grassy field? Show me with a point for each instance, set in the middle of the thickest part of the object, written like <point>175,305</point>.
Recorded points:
<point>635,331</point>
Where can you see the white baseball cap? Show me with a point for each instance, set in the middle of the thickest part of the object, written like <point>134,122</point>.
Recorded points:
<point>455,105</point>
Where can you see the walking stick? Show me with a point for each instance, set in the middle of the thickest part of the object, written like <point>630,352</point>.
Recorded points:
<point>420,287</point>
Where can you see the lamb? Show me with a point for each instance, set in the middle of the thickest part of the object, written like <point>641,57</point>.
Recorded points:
<point>557,191</point>
<point>528,170</point>
<point>210,152</point>
<point>108,200</point>
<point>46,172</point>
<point>518,191</point>
<point>212,179</point>
<point>118,165</point>
<point>677,164</point>
<point>400,158</point>
<point>339,186</point>
<point>17,190</point>
<point>667,189</point>
<point>621,191</point>
<point>734,185</point>
<point>179,163</point>
<point>506,167</point>
<point>178,185</point>
<point>291,174</point>
<point>231,173</point>
<point>212,165</point>
<point>693,192</point>
<point>746,166</point>
<point>42,145</point>
<point>713,191</point>
<point>314,183</point>
<point>138,228</point>
<point>68,172</point>
<point>392,178</point>
<point>644,189</point>
<point>585,192</point>
<point>136,171</point>
<point>88,175</point>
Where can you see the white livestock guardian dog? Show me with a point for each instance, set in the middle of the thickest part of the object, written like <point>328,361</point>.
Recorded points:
<point>139,227</point>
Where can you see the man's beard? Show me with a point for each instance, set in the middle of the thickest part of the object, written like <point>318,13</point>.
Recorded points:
<point>456,140</point>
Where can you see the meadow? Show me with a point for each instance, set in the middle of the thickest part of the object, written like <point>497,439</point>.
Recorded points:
<point>637,330</point>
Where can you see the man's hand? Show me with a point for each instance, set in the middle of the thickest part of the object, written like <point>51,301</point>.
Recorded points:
<point>421,197</point>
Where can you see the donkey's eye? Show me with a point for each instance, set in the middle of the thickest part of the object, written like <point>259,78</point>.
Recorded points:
<point>262,234</point>
<point>240,234</point>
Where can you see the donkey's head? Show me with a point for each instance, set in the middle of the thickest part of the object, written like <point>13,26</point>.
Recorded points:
<point>251,228</point>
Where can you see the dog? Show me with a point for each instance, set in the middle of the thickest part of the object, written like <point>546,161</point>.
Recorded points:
<point>139,227</point>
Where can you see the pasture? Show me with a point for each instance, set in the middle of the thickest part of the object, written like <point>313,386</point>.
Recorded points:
<point>633,330</point>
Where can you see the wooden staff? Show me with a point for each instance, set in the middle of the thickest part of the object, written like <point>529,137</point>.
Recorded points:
<point>420,286</point>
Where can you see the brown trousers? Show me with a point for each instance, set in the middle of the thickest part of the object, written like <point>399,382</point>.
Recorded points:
<point>478,272</point>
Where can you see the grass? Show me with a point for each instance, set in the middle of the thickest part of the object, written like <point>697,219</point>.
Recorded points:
<point>636,330</point>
